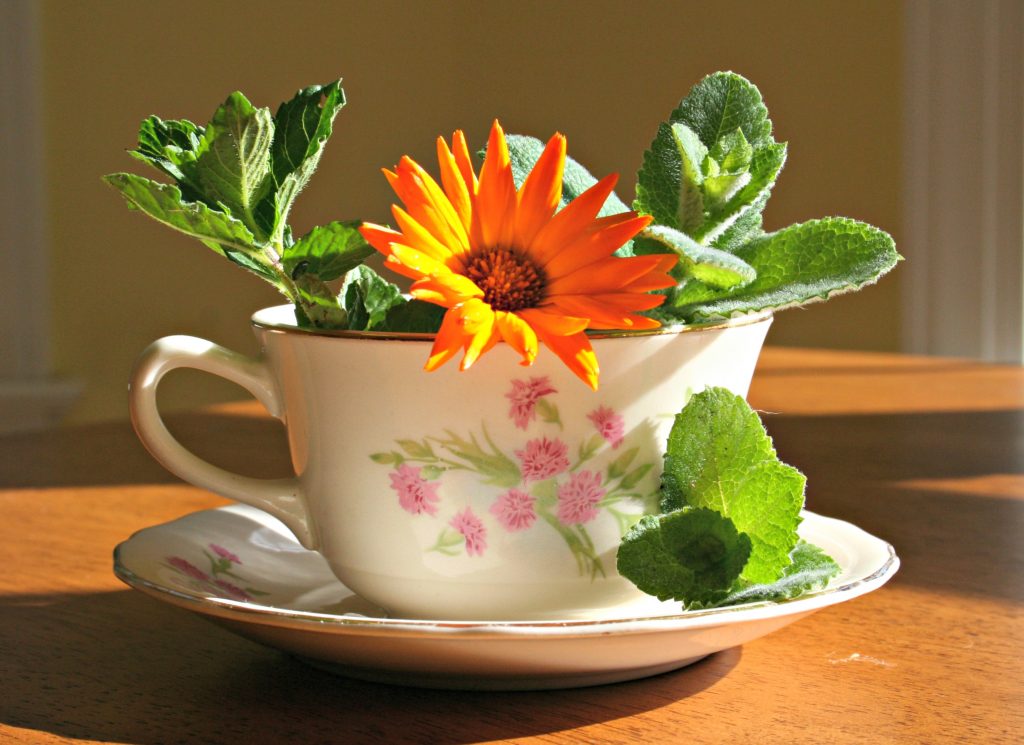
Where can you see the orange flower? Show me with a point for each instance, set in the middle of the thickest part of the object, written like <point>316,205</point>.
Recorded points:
<point>507,266</point>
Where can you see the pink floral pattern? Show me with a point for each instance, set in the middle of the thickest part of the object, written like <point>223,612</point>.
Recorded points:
<point>524,396</point>
<point>188,568</point>
<point>611,425</point>
<point>222,562</point>
<point>472,529</point>
<point>578,498</point>
<point>543,458</point>
<point>224,553</point>
<point>415,494</point>
<point>515,510</point>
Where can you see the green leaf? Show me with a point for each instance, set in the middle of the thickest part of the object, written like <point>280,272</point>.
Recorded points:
<point>318,303</point>
<point>163,202</point>
<point>721,103</point>
<point>693,555</point>
<point>368,297</point>
<point>669,181</point>
<point>168,145</point>
<point>811,570</point>
<point>413,317</point>
<point>232,163</point>
<point>709,265</point>
<point>523,154</point>
<point>327,251</point>
<point>720,457</point>
<point>415,448</point>
<point>302,127</point>
<point>728,206</point>
<point>803,263</point>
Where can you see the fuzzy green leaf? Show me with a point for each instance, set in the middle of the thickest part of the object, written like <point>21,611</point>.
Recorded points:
<point>368,297</point>
<point>748,193</point>
<point>720,457</point>
<point>232,165</point>
<point>803,263</point>
<point>669,183</point>
<point>693,555</point>
<point>709,265</point>
<point>721,103</point>
<point>302,127</point>
<point>169,145</point>
<point>811,570</point>
<point>318,305</point>
<point>327,251</point>
<point>414,317</point>
<point>163,202</point>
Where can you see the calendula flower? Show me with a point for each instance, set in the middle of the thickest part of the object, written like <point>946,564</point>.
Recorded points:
<point>507,266</point>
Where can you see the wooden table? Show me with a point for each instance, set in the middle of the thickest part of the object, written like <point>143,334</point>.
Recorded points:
<point>925,453</point>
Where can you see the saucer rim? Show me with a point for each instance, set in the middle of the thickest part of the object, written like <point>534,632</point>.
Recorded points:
<point>249,612</point>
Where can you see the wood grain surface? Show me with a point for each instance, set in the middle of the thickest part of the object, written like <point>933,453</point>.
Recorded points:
<point>926,453</point>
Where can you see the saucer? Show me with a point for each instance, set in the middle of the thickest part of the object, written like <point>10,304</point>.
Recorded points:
<point>245,571</point>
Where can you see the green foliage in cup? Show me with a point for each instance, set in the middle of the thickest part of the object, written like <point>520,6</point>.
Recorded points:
<point>235,181</point>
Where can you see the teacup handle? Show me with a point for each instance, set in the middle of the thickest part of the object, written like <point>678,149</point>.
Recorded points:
<point>282,498</point>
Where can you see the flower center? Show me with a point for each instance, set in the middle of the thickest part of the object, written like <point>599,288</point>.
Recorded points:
<point>510,281</point>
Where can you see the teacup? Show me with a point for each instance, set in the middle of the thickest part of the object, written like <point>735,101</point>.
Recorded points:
<point>499,493</point>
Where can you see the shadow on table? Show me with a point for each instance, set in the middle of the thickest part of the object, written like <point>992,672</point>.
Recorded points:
<point>141,672</point>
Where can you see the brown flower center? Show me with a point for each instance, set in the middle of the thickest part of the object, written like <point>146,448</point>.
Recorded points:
<point>510,281</point>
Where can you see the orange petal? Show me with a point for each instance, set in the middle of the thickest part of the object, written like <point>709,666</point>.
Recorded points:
<point>567,225</point>
<point>611,234</point>
<point>558,324</point>
<point>606,275</point>
<point>428,205</point>
<point>423,240</point>
<point>416,260</point>
<point>577,354</point>
<point>658,278</point>
<point>448,342</point>
<point>454,184</point>
<point>494,208</point>
<point>517,334</point>
<point>478,324</point>
<point>445,289</point>
<point>460,150</point>
<point>541,191</point>
<point>379,237</point>
<point>608,312</point>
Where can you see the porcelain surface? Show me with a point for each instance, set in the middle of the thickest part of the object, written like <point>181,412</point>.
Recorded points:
<point>244,570</point>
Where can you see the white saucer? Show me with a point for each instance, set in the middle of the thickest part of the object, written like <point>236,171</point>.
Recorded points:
<point>270,589</point>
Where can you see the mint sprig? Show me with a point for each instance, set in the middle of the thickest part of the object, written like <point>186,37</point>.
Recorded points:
<point>236,180</point>
<point>730,510</point>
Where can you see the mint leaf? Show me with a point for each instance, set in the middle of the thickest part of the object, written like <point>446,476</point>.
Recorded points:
<point>803,263</point>
<point>232,165</point>
<point>327,251</point>
<point>524,151</point>
<point>693,555</point>
<point>302,127</point>
<point>720,457</point>
<point>709,265</point>
<point>669,181</point>
<point>216,229</point>
<point>368,297</point>
<point>317,303</point>
<point>721,103</point>
<point>752,189</point>
<point>168,145</point>
<point>415,317</point>
<point>811,570</point>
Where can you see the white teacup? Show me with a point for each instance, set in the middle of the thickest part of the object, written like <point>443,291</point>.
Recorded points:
<point>499,493</point>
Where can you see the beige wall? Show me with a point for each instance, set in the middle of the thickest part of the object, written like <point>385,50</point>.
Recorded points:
<point>604,73</point>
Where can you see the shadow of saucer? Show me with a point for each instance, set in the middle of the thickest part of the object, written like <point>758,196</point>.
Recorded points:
<point>135,671</point>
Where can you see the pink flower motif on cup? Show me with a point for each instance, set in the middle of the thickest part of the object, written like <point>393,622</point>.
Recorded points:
<point>578,498</point>
<point>524,396</point>
<point>188,568</point>
<point>543,458</point>
<point>415,493</point>
<point>224,553</point>
<point>611,425</point>
<point>514,510</point>
<point>234,591</point>
<point>472,529</point>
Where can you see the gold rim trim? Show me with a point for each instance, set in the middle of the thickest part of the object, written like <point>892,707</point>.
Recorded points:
<point>679,328</point>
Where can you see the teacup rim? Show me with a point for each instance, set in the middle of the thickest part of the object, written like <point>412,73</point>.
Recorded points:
<point>264,320</point>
